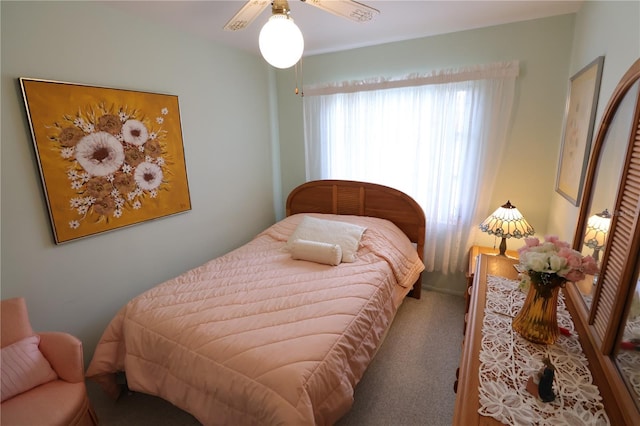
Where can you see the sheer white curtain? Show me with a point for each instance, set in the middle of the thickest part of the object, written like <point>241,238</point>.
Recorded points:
<point>437,137</point>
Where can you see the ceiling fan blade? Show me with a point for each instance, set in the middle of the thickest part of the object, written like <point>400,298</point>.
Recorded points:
<point>346,8</point>
<point>246,14</point>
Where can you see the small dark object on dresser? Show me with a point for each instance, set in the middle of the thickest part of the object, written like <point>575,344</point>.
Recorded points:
<point>545,386</point>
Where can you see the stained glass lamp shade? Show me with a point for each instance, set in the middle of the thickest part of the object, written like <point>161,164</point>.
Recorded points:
<point>596,234</point>
<point>506,222</point>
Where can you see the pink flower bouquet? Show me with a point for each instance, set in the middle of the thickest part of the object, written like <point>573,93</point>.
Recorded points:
<point>555,257</point>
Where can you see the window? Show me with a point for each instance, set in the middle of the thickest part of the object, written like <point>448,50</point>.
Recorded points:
<point>428,136</point>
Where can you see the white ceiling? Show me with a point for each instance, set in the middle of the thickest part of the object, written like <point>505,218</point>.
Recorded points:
<point>324,32</point>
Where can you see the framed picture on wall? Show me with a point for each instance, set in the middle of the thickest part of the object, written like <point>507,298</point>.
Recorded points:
<point>108,158</point>
<point>577,133</point>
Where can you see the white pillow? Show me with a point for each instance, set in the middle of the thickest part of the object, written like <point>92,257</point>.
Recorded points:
<point>315,251</point>
<point>346,235</point>
<point>23,367</point>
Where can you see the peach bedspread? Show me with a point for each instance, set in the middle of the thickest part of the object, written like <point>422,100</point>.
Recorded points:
<point>255,337</point>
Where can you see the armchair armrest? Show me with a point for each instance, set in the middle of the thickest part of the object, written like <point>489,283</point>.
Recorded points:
<point>64,353</point>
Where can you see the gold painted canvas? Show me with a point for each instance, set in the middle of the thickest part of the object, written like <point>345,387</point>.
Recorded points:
<point>108,158</point>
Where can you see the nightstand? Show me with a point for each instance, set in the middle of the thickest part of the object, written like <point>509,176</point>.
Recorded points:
<point>474,251</point>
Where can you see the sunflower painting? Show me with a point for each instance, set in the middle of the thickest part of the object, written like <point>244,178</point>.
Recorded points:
<point>108,158</point>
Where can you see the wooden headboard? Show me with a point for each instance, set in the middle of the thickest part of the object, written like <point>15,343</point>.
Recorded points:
<point>362,199</point>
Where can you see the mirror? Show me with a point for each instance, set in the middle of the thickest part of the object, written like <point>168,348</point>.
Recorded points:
<point>600,198</point>
<point>628,354</point>
<point>606,308</point>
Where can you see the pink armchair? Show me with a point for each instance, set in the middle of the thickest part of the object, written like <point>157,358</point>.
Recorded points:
<point>61,401</point>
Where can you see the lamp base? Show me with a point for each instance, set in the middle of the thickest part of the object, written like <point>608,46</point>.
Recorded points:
<point>503,247</point>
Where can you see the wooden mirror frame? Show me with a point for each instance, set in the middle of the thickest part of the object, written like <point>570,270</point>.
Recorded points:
<point>599,328</point>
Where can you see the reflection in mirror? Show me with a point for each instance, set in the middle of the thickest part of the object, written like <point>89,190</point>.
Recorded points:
<point>595,236</point>
<point>628,356</point>
<point>609,167</point>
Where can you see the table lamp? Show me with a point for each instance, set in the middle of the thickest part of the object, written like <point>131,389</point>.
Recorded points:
<point>506,222</point>
<point>595,236</point>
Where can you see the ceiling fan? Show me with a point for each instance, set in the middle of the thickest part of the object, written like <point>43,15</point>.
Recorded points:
<point>281,42</point>
<point>346,8</point>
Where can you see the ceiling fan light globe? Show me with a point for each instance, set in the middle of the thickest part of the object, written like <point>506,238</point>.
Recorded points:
<point>281,42</point>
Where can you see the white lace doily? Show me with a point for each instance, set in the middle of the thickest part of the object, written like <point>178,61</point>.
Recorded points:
<point>629,360</point>
<point>507,361</point>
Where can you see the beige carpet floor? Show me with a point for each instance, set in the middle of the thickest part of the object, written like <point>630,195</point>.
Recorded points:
<point>409,382</point>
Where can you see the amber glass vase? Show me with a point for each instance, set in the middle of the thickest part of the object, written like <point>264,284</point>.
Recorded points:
<point>537,320</point>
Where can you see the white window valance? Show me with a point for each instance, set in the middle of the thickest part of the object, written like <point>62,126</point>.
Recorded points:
<point>477,72</point>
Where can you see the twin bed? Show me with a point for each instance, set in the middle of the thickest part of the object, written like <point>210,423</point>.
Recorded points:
<point>261,335</point>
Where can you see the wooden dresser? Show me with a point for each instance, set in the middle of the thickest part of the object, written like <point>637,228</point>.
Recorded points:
<point>466,408</point>
<point>505,358</point>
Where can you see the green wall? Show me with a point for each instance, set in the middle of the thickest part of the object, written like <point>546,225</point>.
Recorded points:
<point>612,29</point>
<point>224,101</point>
